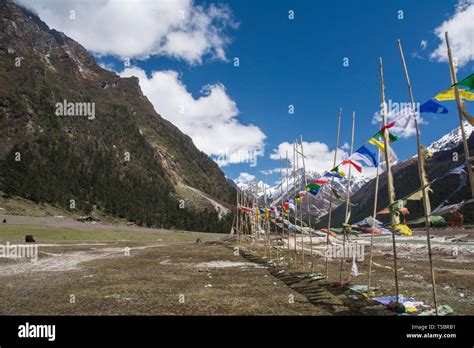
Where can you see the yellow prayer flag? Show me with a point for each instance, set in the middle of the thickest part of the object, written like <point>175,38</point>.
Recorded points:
<point>377,143</point>
<point>448,94</point>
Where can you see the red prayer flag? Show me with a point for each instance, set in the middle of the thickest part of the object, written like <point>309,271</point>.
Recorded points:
<point>319,182</point>
<point>355,165</point>
<point>387,126</point>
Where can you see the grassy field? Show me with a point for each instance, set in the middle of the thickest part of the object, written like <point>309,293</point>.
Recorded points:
<point>16,233</point>
<point>164,273</point>
<point>118,270</point>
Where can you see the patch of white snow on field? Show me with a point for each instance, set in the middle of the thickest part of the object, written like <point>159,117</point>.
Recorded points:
<point>63,261</point>
<point>224,264</point>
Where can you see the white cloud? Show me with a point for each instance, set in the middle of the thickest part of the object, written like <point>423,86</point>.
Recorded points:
<point>319,157</point>
<point>245,178</point>
<point>423,44</point>
<point>270,171</point>
<point>138,29</point>
<point>460,28</point>
<point>210,120</point>
<point>417,54</point>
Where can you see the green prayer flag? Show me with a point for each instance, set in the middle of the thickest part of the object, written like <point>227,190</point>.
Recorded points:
<point>312,186</point>
<point>391,137</point>
<point>468,82</point>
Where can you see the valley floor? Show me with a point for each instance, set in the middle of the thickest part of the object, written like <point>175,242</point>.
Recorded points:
<point>87,269</point>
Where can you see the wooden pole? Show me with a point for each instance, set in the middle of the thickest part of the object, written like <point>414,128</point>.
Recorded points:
<point>454,80</point>
<point>348,195</point>
<point>377,177</point>
<point>296,207</point>
<point>308,206</point>
<point>282,222</point>
<point>421,173</point>
<point>257,214</point>
<point>267,221</point>
<point>249,221</point>
<point>391,190</point>
<point>247,204</point>
<point>331,194</point>
<point>286,195</point>
<point>237,213</point>
<point>297,190</point>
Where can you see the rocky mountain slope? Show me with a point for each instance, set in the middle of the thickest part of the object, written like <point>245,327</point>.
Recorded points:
<point>125,159</point>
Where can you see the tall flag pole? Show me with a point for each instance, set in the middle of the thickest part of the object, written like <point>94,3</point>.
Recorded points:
<point>454,80</point>
<point>308,206</point>
<point>256,214</point>
<point>301,207</point>
<point>282,217</point>
<point>331,193</point>
<point>294,205</point>
<point>249,221</point>
<point>391,192</point>
<point>244,215</point>
<point>377,177</point>
<point>283,210</point>
<point>348,195</point>
<point>238,217</point>
<point>423,178</point>
<point>267,218</point>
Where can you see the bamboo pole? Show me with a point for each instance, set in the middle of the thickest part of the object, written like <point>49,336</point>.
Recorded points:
<point>426,198</point>
<point>454,80</point>
<point>331,194</point>
<point>238,217</point>
<point>247,217</point>
<point>296,208</point>
<point>391,190</point>
<point>348,195</point>
<point>282,217</point>
<point>249,221</point>
<point>286,195</point>
<point>377,177</point>
<point>308,206</point>
<point>257,214</point>
<point>301,207</point>
<point>267,221</point>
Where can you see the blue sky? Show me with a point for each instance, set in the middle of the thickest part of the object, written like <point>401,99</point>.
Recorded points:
<point>300,62</point>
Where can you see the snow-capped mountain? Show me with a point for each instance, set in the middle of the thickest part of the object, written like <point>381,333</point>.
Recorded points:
<point>405,178</point>
<point>450,140</point>
<point>287,189</point>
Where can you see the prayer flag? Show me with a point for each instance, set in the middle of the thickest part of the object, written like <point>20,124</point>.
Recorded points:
<point>319,182</point>
<point>355,165</point>
<point>364,155</point>
<point>448,94</point>
<point>312,186</point>
<point>377,143</point>
<point>431,106</point>
<point>468,82</point>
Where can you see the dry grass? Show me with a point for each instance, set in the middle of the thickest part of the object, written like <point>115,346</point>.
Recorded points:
<point>163,266</point>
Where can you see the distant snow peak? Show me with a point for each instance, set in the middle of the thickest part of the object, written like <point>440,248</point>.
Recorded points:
<point>450,140</point>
